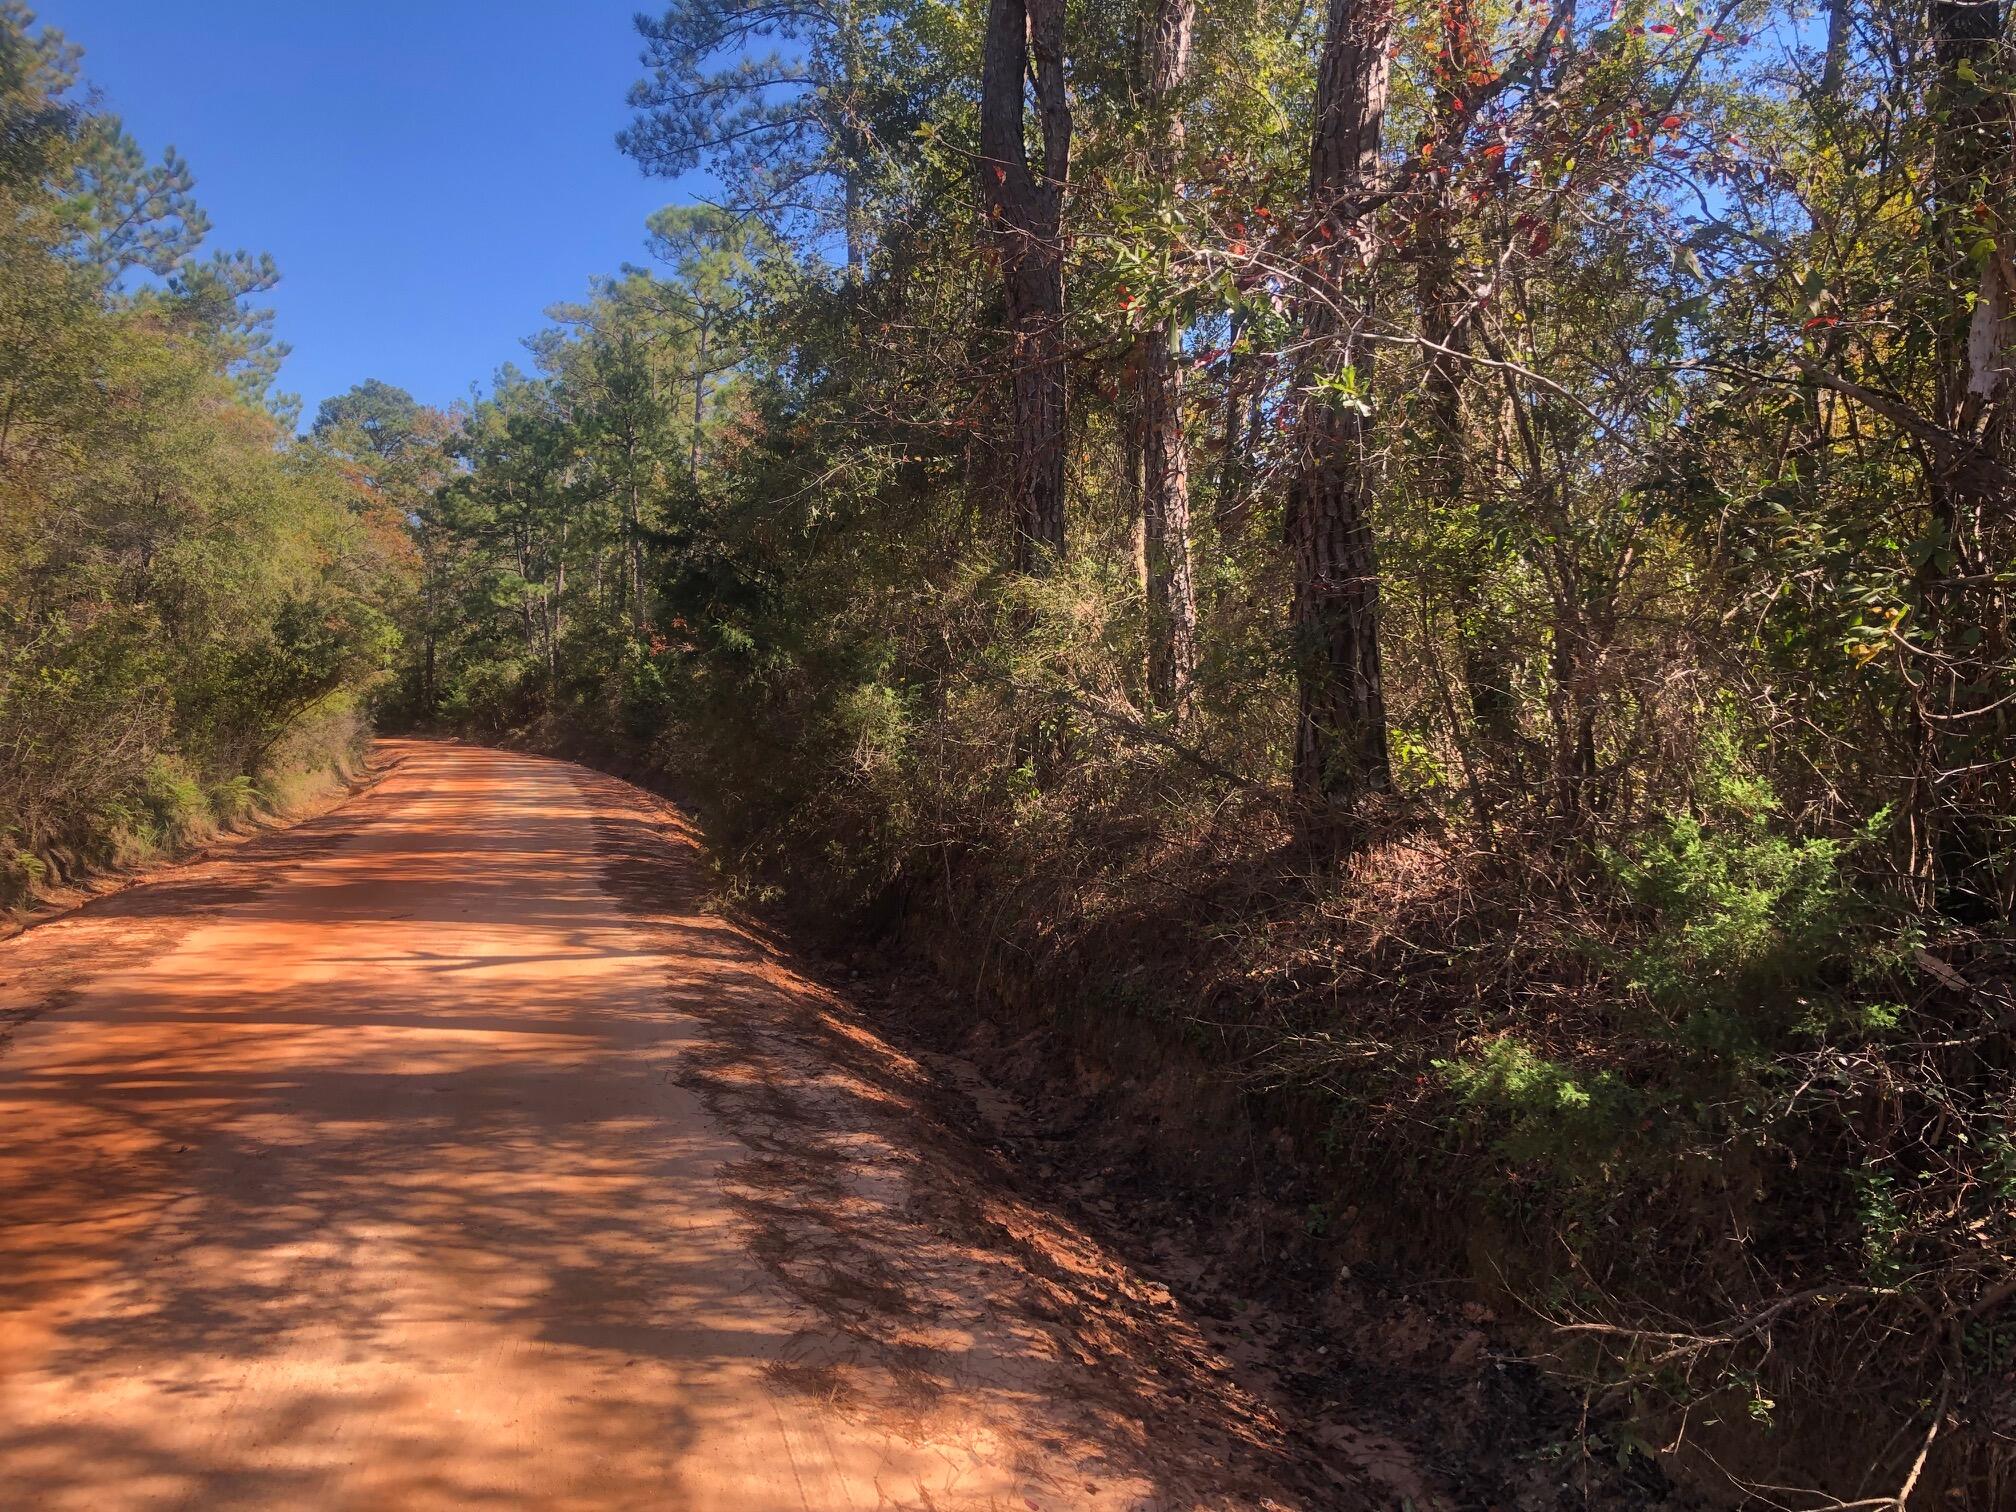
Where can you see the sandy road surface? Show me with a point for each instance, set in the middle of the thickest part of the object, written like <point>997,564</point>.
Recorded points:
<point>442,1154</point>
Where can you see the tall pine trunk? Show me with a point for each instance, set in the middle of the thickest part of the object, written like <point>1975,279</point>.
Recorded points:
<point>1165,457</point>
<point>1340,725</point>
<point>1025,41</point>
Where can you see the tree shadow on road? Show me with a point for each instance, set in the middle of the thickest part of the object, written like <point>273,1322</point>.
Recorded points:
<point>936,1275</point>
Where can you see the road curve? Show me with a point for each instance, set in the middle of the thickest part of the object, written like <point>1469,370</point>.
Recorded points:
<point>445,1154</point>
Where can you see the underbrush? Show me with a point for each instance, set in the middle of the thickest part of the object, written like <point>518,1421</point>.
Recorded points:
<point>1695,1110</point>
<point>1691,1107</point>
<point>173,805</point>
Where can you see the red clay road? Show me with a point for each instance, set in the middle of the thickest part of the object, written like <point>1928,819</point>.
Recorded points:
<point>444,1153</point>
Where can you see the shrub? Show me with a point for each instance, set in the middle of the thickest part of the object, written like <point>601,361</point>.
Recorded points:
<point>1745,923</point>
<point>1542,1111</point>
<point>173,802</point>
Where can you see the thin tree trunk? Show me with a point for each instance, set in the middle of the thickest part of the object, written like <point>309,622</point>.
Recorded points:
<point>635,526</point>
<point>558,628</point>
<point>428,699</point>
<point>1486,653</point>
<point>1963,789</point>
<point>1340,726</point>
<point>1165,521</point>
<point>1165,458</point>
<point>1235,501</point>
<point>857,249</point>
<point>1131,460</point>
<point>1025,40</point>
<point>535,628</point>
<point>430,609</point>
<point>699,400</point>
<point>853,230</point>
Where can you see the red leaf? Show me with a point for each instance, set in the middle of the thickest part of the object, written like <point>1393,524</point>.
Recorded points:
<point>1819,321</point>
<point>1664,30</point>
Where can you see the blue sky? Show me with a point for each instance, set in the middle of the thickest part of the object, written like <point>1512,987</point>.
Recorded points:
<point>430,175</point>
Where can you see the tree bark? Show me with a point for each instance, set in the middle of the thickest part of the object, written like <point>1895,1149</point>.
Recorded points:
<point>1835,59</point>
<point>1165,457</point>
<point>1963,790</point>
<point>854,227</point>
<point>1340,726</point>
<point>1025,40</point>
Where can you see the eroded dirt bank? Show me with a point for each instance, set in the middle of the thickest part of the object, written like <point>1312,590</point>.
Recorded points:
<point>443,1153</point>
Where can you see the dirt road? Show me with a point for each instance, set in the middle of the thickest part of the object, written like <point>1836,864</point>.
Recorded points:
<point>443,1153</point>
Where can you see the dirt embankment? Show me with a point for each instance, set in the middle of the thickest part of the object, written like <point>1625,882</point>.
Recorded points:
<point>312,797</point>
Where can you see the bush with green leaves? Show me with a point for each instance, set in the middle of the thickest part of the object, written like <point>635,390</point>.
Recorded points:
<point>1747,926</point>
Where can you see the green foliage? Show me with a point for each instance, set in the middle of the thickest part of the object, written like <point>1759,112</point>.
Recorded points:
<point>172,805</point>
<point>1745,921</point>
<point>180,583</point>
<point>1543,1112</point>
<point>1884,1225</point>
<point>872,722</point>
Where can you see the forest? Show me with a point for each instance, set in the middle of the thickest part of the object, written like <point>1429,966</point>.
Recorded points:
<point>1425,582</point>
